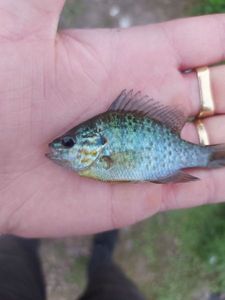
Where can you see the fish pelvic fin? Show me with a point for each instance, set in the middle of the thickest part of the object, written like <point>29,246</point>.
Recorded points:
<point>177,178</point>
<point>217,156</point>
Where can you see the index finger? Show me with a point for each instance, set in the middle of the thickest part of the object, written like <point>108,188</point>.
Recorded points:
<point>19,19</point>
<point>197,41</point>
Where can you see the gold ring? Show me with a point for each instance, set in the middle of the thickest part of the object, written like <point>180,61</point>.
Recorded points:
<point>206,98</point>
<point>202,133</point>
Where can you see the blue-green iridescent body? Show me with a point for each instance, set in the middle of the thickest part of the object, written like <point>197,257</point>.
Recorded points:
<point>137,139</point>
<point>141,149</point>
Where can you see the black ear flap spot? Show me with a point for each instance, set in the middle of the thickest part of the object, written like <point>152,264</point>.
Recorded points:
<point>104,140</point>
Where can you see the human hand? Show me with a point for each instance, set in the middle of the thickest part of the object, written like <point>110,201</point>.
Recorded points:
<point>50,81</point>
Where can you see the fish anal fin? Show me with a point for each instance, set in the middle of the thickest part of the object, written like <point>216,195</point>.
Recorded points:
<point>177,177</point>
<point>128,101</point>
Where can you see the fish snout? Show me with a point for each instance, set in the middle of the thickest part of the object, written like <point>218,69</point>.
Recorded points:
<point>55,144</point>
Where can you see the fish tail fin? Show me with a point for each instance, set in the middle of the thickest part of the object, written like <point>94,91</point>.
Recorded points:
<point>217,156</point>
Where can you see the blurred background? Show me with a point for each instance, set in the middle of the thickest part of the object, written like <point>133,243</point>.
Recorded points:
<point>174,255</point>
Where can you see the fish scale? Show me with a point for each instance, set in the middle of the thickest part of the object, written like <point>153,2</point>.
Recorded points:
<point>136,139</point>
<point>158,151</point>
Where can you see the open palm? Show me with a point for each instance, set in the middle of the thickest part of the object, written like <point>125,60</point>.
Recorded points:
<point>49,82</point>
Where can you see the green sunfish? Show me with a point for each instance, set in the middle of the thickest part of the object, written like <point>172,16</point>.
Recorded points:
<point>136,139</point>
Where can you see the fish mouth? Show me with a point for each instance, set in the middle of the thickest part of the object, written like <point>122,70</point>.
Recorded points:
<point>52,156</point>
<point>55,155</point>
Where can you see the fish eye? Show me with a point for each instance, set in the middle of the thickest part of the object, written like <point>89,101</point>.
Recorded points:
<point>68,141</point>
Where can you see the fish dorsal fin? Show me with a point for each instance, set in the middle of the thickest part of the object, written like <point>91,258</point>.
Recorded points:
<point>146,106</point>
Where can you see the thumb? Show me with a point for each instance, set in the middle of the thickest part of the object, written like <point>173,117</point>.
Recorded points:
<point>22,18</point>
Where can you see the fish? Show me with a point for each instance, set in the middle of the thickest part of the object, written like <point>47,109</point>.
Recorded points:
<point>136,140</point>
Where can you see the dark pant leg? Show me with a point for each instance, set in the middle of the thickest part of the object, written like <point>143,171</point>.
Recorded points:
<point>217,296</point>
<point>110,283</point>
<point>20,270</point>
<point>106,281</point>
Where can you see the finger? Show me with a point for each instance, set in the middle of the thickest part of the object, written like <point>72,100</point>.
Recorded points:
<point>217,75</point>
<point>209,189</point>
<point>19,19</point>
<point>164,83</point>
<point>83,206</point>
<point>214,127</point>
<point>197,41</point>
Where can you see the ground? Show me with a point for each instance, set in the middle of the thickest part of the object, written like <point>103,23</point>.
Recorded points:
<point>171,256</point>
<point>123,13</point>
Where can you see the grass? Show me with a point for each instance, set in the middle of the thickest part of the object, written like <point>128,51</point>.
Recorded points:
<point>78,271</point>
<point>70,12</point>
<point>204,7</point>
<point>180,253</point>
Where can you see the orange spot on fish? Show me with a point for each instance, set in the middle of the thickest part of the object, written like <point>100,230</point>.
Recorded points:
<point>85,160</point>
<point>86,152</point>
<point>93,153</point>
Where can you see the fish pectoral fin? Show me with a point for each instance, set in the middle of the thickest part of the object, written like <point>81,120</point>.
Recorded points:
<point>177,177</point>
<point>106,161</point>
<point>126,159</point>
